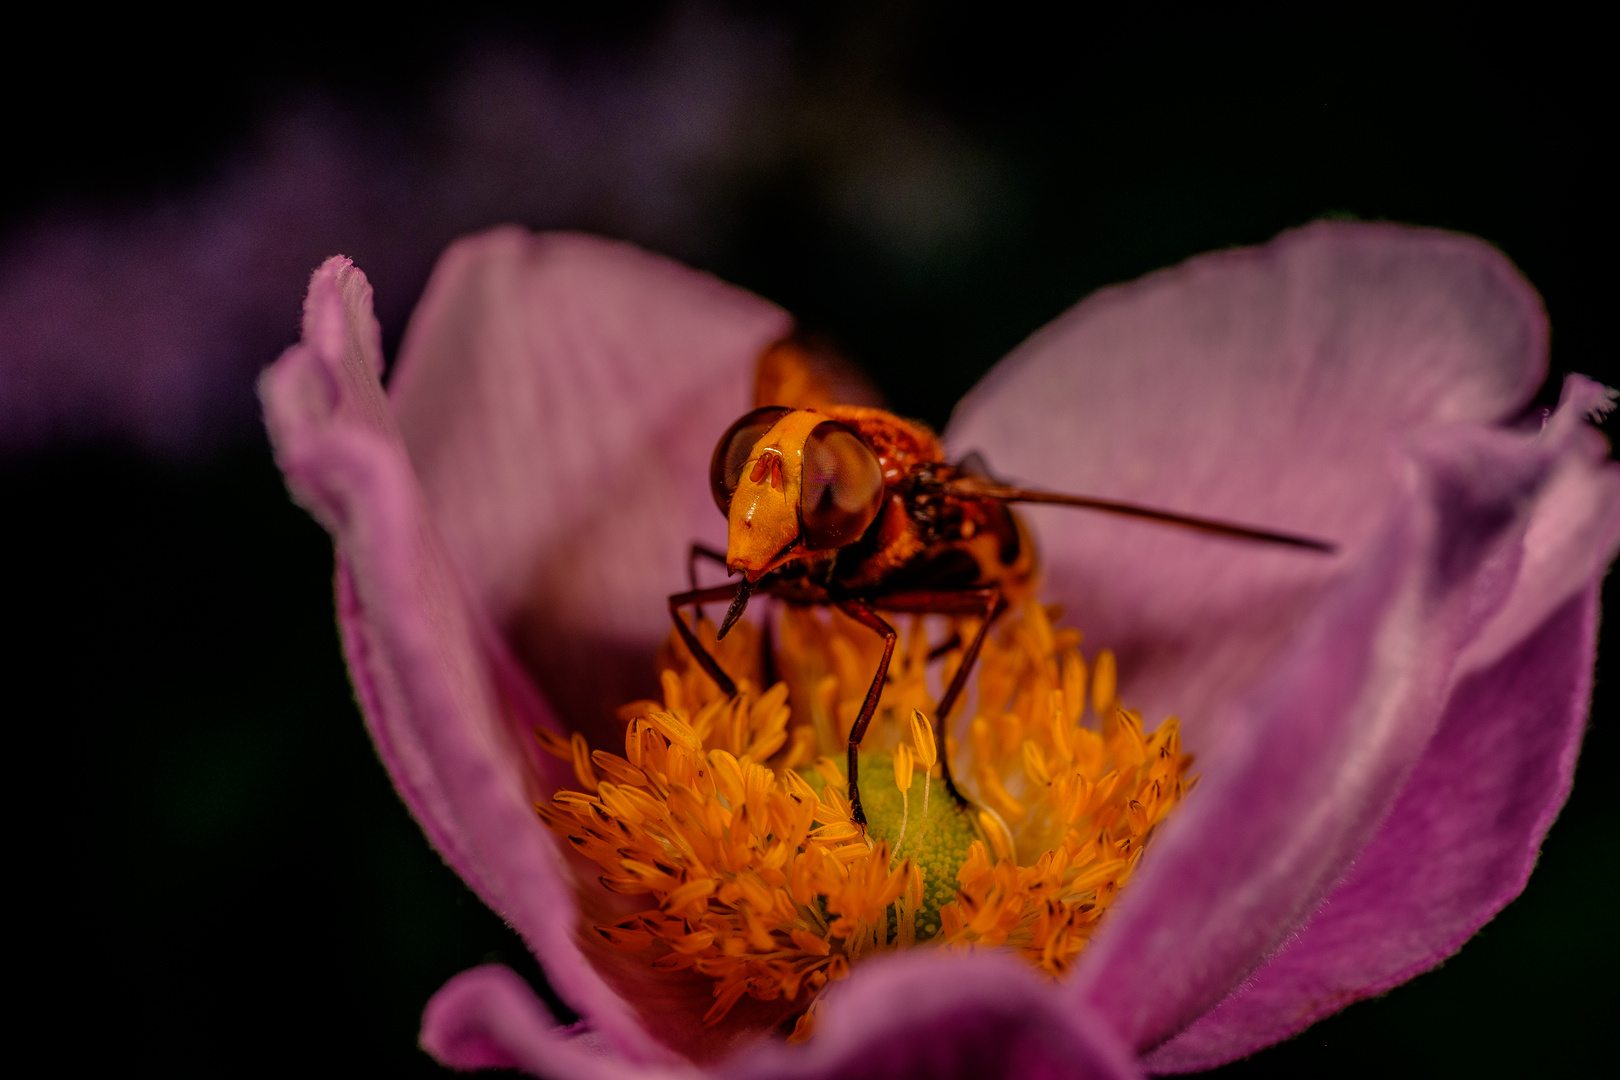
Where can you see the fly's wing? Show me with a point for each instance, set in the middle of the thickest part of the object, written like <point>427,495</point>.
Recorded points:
<point>803,372</point>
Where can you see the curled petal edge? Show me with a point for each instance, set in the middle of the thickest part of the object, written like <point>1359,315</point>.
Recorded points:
<point>1319,751</point>
<point>488,1018</point>
<point>1505,756</point>
<point>559,396</point>
<point>1462,838</point>
<point>416,649</point>
<point>958,1017</point>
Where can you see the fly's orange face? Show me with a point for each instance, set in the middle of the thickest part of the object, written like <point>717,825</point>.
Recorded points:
<point>793,483</point>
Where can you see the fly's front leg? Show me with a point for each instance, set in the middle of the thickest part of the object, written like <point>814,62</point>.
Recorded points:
<point>699,653</point>
<point>693,554</point>
<point>863,614</point>
<point>701,551</point>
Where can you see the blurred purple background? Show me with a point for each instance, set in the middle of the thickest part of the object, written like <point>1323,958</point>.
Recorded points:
<point>145,319</point>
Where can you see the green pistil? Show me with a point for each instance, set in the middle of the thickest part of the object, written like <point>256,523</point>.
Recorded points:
<point>939,844</point>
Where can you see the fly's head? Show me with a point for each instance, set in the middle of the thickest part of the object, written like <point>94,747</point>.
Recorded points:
<point>792,483</point>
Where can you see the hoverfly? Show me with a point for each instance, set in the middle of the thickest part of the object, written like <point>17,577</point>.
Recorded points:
<point>834,503</point>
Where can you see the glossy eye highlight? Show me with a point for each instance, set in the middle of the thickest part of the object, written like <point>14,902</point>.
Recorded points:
<point>731,452</point>
<point>842,489</point>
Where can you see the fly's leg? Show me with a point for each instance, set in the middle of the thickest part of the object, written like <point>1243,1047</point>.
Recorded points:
<point>694,553</point>
<point>993,604</point>
<point>986,603</point>
<point>702,551</point>
<point>699,653</point>
<point>863,614</point>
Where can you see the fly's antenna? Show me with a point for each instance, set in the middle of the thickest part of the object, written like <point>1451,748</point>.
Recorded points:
<point>973,487</point>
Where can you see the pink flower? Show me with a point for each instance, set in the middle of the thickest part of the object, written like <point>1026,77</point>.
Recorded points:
<point>1383,737</point>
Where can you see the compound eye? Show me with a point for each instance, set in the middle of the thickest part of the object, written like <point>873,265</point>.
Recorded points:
<point>843,487</point>
<point>731,453</point>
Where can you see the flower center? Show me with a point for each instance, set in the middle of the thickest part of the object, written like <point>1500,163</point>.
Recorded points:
<point>732,815</point>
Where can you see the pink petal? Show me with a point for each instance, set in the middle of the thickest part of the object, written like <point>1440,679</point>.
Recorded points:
<point>945,1016</point>
<point>425,667</point>
<point>1573,534</point>
<point>1314,757</point>
<point>1302,772</point>
<point>488,1018</point>
<point>1462,839</point>
<point>560,396</point>
<point>1277,386</point>
<point>1264,385</point>
<point>1460,844</point>
<point>916,1014</point>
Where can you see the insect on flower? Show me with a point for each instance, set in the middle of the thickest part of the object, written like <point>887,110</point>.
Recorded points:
<point>834,503</point>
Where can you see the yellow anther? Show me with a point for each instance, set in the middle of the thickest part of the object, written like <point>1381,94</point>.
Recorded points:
<point>834,805</point>
<point>995,793</point>
<point>574,801</point>
<point>1137,815</point>
<point>1035,764</point>
<point>768,709</point>
<point>902,768</point>
<point>1098,876</point>
<point>976,865</point>
<point>752,874</point>
<point>675,730</point>
<point>616,768</point>
<point>619,805</point>
<point>1104,683</point>
<point>686,894</point>
<point>828,768</point>
<point>635,710</point>
<point>580,751</point>
<point>554,744</point>
<point>632,742</point>
<point>628,940</point>
<point>846,854</point>
<point>1059,728</point>
<point>922,734</point>
<point>674,697</point>
<point>796,785</point>
<point>726,995</point>
<point>728,779</point>
<point>996,831</point>
<point>1074,686</point>
<point>1040,629</point>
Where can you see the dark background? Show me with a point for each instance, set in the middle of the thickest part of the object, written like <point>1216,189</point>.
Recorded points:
<point>211,872</point>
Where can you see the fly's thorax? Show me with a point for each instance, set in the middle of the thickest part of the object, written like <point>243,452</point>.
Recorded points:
<point>899,444</point>
<point>929,539</point>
